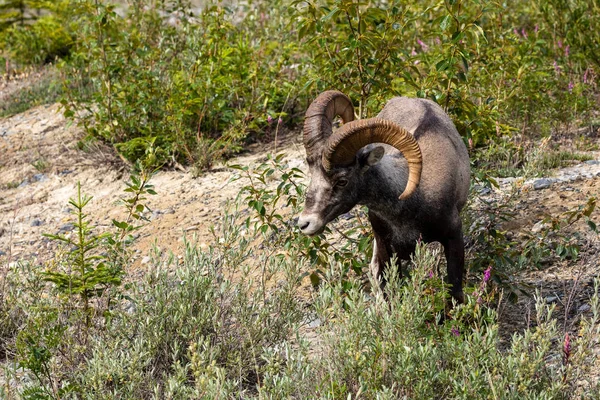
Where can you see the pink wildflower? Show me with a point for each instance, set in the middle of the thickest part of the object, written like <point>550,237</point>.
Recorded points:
<point>515,31</point>
<point>279,121</point>
<point>585,75</point>
<point>423,45</point>
<point>571,87</point>
<point>567,47</point>
<point>524,33</point>
<point>269,119</point>
<point>567,348</point>
<point>487,274</point>
<point>455,331</point>
<point>556,67</point>
<point>537,28</point>
<point>559,43</point>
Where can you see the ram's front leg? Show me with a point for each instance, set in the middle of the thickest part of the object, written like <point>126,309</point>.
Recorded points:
<point>376,266</point>
<point>381,260</point>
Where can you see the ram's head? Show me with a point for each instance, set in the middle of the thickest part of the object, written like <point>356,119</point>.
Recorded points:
<point>337,161</point>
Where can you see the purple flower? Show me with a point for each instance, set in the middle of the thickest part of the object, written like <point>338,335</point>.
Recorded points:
<point>524,33</point>
<point>567,348</point>
<point>487,274</point>
<point>515,31</point>
<point>556,67</point>
<point>423,45</point>
<point>455,331</point>
<point>567,47</point>
<point>537,28</point>
<point>559,44</point>
<point>279,121</point>
<point>269,119</point>
<point>430,274</point>
<point>571,87</point>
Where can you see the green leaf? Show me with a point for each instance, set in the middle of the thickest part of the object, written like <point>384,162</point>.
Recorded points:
<point>445,22</point>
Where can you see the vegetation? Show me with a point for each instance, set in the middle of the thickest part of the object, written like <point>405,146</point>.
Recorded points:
<point>233,321</point>
<point>167,84</point>
<point>199,85</point>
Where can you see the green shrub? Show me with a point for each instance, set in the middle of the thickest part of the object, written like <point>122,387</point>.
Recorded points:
<point>197,87</point>
<point>39,43</point>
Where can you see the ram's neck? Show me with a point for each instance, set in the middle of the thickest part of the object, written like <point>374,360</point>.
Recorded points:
<point>383,183</point>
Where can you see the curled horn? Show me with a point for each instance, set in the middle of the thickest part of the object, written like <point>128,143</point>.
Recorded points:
<point>341,147</point>
<point>319,118</point>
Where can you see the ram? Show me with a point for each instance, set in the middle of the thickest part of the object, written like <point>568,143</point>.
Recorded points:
<point>408,165</point>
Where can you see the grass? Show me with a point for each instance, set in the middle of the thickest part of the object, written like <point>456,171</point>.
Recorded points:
<point>46,90</point>
<point>505,159</point>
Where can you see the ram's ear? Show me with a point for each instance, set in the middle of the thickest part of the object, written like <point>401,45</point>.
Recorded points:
<point>371,157</point>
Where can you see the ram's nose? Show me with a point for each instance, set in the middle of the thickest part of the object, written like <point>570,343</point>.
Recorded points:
<point>310,224</point>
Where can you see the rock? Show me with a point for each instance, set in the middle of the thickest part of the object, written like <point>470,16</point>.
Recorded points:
<point>24,183</point>
<point>584,308</point>
<point>315,323</point>
<point>551,299</point>
<point>145,260</point>
<point>66,228</point>
<point>542,183</point>
<point>592,162</point>
<point>539,226</point>
<point>39,177</point>
<point>2,253</point>
<point>36,222</point>
<point>347,216</point>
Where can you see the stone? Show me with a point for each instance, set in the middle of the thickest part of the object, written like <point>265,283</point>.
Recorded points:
<point>39,177</point>
<point>584,308</point>
<point>66,228</point>
<point>551,299</point>
<point>542,183</point>
<point>36,222</point>
<point>347,216</point>
<point>315,323</point>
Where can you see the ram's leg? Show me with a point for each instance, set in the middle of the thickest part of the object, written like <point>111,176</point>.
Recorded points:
<point>454,249</point>
<point>382,249</point>
<point>380,258</point>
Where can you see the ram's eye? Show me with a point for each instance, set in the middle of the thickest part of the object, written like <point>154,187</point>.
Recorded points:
<point>341,183</point>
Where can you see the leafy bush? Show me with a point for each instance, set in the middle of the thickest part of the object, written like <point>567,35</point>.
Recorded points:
<point>196,87</point>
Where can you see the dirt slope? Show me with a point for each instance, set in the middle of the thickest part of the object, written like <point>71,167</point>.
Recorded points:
<point>40,165</point>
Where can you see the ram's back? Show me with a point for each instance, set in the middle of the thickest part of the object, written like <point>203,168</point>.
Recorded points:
<point>446,170</point>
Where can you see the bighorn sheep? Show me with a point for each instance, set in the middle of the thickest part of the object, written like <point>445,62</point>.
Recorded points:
<point>408,165</point>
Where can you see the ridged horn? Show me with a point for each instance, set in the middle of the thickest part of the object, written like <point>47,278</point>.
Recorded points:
<point>341,148</point>
<point>319,118</point>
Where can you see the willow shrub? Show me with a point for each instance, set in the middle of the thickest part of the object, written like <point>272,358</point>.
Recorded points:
<point>193,85</point>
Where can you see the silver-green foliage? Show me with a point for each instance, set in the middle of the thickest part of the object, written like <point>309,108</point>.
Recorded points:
<point>234,321</point>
